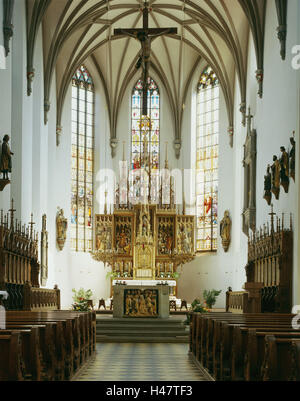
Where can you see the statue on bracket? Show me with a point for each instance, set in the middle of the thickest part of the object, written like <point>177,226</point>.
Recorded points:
<point>275,168</point>
<point>61,227</point>
<point>225,230</point>
<point>268,186</point>
<point>5,158</point>
<point>284,169</point>
<point>292,157</point>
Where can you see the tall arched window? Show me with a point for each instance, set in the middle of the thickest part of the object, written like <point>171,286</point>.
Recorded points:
<point>82,160</point>
<point>207,161</point>
<point>138,133</point>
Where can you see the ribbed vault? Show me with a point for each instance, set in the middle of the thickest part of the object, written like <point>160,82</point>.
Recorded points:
<point>81,31</point>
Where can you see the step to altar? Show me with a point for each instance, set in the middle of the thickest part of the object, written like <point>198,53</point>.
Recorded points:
<point>143,330</point>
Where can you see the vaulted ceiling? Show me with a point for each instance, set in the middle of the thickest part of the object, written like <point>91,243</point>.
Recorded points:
<point>215,31</point>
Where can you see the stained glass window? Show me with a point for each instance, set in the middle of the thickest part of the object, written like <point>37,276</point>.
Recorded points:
<point>145,134</point>
<point>207,161</point>
<point>82,160</point>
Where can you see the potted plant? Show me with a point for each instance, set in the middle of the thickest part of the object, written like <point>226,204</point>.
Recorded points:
<point>81,298</point>
<point>196,306</point>
<point>210,297</point>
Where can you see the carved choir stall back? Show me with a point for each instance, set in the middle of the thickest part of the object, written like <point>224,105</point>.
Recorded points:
<point>20,267</point>
<point>269,272</point>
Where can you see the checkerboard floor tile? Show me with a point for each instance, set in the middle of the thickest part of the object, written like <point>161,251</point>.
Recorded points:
<point>140,362</point>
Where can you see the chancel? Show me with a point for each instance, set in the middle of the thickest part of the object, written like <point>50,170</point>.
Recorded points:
<point>149,191</point>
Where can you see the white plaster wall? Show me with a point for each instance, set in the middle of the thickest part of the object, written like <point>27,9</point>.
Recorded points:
<point>211,270</point>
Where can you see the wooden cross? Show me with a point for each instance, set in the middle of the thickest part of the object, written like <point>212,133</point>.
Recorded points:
<point>145,36</point>
<point>12,211</point>
<point>31,225</point>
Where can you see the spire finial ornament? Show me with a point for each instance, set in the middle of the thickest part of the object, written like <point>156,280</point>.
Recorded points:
<point>12,211</point>
<point>31,225</point>
<point>272,214</point>
<point>249,118</point>
<point>105,203</point>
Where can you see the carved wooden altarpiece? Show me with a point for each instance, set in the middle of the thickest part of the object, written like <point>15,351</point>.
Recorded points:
<point>147,242</point>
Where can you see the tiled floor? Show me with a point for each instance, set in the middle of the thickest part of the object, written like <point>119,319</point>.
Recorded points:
<point>141,362</point>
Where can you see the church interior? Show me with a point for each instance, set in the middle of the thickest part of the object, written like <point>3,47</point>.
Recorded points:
<point>149,190</point>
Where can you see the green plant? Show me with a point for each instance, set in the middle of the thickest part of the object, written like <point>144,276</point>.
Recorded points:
<point>196,306</point>
<point>81,298</point>
<point>210,297</point>
<point>112,275</point>
<point>175,275</point>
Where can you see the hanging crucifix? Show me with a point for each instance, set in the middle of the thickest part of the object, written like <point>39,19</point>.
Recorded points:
<point>145,36</point>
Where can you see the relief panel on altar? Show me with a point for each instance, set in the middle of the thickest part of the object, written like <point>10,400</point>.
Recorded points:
<point>141,303</point>
<point>123,235</point>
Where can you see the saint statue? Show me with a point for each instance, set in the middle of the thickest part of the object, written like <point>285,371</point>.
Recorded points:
<point>225,230</point>
<point>292,158</point>
<point>268,186</point>
<point>275,168</point>
<point>284,169</point>
<point>5,158</point>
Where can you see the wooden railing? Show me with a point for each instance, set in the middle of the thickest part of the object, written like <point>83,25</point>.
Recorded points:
<point>41,299</point>
<point>236,301</point>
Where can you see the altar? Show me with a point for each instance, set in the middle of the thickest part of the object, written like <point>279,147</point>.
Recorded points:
<point>138,301</point>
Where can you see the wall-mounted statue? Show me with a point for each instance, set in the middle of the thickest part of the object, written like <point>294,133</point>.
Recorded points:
<point>292,157</point>
<point>61,228</point>
<point>225,230</point>
<point>44,252</point>
<point>268,186</point>
<point>5,158</point>
<point>275,168</point>
<point>284,169</point>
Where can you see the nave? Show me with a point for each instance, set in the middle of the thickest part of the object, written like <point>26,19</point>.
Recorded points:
<point>141,362</point>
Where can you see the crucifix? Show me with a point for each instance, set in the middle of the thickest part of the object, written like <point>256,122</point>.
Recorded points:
<point>145,36</point>
<point>12,211</point>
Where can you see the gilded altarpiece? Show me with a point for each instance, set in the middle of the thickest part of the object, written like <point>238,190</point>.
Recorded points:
<point>147,242</point>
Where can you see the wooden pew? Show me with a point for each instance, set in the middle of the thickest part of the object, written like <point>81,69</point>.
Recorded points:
<point>295,361</point>
<point>249,346</point>
<point>73,339</point>
<point>11,364</point>
<point>219,340</point>
<point>31,355</point>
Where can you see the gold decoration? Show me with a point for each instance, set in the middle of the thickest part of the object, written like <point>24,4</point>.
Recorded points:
<point>141,243</point>
<point>141,303</point>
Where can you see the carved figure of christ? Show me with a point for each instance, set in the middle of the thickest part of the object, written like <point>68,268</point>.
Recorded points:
<point>145,36</point>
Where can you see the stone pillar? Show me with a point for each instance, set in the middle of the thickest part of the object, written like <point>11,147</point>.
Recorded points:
<point>21,120</point>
